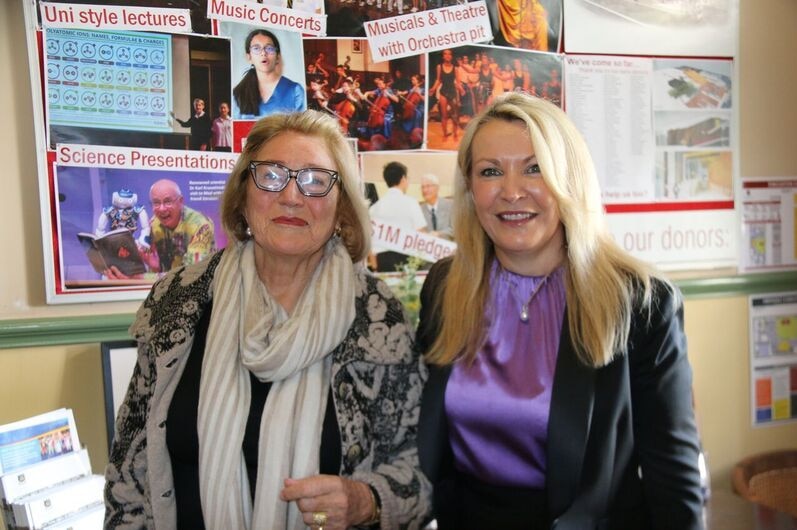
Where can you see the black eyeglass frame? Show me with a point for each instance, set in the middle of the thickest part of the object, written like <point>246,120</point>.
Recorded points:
<point>293,174</point>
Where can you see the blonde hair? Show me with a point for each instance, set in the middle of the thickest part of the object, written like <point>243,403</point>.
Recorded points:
<point>601,279</point>
<point>352,210</point>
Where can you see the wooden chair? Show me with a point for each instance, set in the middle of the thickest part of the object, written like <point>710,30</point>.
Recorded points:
<point>769,479</point>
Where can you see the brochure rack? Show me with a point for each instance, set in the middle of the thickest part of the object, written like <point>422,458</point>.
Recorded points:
<point>45,477</point>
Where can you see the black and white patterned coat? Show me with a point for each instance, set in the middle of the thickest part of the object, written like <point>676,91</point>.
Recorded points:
<point>377,379</point>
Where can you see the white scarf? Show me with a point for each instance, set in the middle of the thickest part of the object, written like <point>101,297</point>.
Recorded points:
<point>250,331</point>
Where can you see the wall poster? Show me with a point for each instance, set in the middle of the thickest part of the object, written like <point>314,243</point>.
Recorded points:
<point>773,358</point>
<point>661,132</point>
<point>769,224</point>
<point>140,111</point>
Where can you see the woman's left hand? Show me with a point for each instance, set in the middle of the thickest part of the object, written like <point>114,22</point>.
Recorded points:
<point>345,502</point>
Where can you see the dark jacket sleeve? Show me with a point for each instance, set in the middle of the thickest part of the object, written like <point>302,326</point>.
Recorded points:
<point>434,449</point>
<point>666,436</point>
<point>431,294</point>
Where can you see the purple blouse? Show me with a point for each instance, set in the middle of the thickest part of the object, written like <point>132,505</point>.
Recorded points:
<point>498,407</point>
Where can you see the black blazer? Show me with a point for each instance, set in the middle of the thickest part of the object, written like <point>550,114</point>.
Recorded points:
<point>622,442</point>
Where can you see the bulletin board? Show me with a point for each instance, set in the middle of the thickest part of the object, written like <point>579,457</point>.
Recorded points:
<point>651,84</point>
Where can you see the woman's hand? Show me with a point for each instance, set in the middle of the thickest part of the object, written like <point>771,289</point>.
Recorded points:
<point>345,502</point>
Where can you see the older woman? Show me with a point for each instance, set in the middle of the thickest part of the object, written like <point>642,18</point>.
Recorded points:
<point>263,90</point>
<point>276,385</point>
<point>560,391</point>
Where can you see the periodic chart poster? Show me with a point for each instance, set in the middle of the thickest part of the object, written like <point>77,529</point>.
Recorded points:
<point>108,80</point>
<point>773,357</point>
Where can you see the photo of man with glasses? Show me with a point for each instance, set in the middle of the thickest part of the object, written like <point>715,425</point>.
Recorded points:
<point>179,235</point>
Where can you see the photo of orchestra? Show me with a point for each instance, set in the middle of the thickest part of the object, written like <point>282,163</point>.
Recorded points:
<point>466,79</point>
<point>380,104</point>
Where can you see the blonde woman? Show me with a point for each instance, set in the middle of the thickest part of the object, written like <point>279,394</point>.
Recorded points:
<point>559,391</point>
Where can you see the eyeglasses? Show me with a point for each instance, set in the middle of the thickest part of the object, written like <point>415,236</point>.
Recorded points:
<point>256,49</point>
<point>167,203</point>
<point>312,181</point>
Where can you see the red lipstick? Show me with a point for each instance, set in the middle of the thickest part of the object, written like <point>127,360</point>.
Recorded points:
<point>291,221</point>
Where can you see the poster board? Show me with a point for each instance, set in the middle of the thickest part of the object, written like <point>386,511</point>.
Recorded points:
<point>119,94</point>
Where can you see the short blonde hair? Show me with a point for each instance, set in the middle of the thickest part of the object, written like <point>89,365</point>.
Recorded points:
<point>352,210</point>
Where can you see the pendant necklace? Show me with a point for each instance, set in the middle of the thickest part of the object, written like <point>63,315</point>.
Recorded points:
<point>524,308</point>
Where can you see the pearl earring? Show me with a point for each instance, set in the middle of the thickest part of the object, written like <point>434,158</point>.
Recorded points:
<point>248,232</point>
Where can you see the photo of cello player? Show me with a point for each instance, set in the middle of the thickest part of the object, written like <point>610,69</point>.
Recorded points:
<point>380,100</point>
<point>412,111</point>
<point>346,104</point>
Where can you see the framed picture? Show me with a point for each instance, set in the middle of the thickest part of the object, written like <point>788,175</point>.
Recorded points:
<point>118,362</point>
<point>356,46</point>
